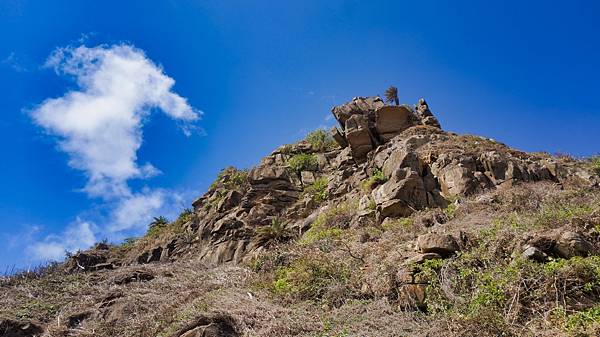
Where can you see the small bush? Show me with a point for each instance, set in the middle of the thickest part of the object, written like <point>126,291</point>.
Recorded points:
<point>303,162</point>
<point>274,233</point>
<point>128,243</point>
<point>186,215</point>
<point>402,223</point>
<point>318,190</point>
<point>377,178</point>
<point>320,140</point>
<point>231,179</point>
<point>330,224</point>
<point>310,277</point>
<point>584,323</point>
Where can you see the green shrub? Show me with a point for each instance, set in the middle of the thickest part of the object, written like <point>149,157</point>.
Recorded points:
<point>303,162</point>
<point>231,179</point>
<point>450,210</point>
<point>403,223</point>
<point>276,232</point>
<point>584,323</point>
<point>330,224</point>
<point>310,277</point>
<point>320,140</point>
<point>318,190</point>
<point>376,179</point>
<point>186,215</point>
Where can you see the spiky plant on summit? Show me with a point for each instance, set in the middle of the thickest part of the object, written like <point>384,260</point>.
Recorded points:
<point>391,95</point>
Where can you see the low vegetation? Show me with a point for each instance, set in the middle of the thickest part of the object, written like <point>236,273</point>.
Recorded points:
<point>330,223</point>
<point>321,141</point>
<point>303,162</point>
<point>377,178</point>
<point>318,190</point>
<point>276,232</point>
<point>232,178</point>
<point>594,163</point>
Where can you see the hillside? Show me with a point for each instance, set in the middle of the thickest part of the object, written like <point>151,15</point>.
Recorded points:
<point>386,225</point>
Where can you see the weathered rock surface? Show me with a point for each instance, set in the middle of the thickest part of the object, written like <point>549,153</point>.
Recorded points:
<point>358,136</point>
<point>419,167</point>
<point>442,244</point>
<point>218,325</point>
<point>10,328</point>
<point>570,244</point>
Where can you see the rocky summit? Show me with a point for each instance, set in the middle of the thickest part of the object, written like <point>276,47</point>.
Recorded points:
<point>385,225</point>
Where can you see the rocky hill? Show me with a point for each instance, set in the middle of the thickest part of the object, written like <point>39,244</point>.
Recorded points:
<point>384,226</point>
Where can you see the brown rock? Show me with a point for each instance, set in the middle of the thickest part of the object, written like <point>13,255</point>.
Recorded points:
<point>338,137</point>
<point>420,258</point>
<point>218,325</point>
<point>401,195</point>
<point>139,275</point>
<point>358,136</point>
<point>444,245</point>
<point>391,120</point>
<point>571,244</point>
<point>358,105</point>
<point>231,200</point>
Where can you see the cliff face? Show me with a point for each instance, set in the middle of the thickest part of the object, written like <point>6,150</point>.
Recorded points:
<point>386,214</point>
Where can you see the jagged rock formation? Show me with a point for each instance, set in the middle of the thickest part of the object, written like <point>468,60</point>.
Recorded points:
<point>367,122</point>
<point>391,215</point>
<point>424,167</point>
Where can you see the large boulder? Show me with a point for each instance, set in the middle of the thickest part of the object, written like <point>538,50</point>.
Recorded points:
<point>391,120</point>
<point>442,244</point>
<point>358,105</point>
<point>359,136</point>
<point>401,195</point>
<point>269,177</point>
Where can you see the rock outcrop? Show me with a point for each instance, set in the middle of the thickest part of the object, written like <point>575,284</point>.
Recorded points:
<point>367,122</point>
<point>420,167</point>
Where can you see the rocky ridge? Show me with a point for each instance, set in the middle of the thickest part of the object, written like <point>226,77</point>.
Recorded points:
<point>384,169</point>
<point>423,167</point>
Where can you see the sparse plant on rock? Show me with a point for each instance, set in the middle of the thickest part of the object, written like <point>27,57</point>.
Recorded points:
<point>276,232</point>
<point>231,178</point>
<point>320,140</point>
<point>303,162</point>
<point>318,190</point>
<point>376,179</point>
<point>391,95</point>
<point>330,224</point>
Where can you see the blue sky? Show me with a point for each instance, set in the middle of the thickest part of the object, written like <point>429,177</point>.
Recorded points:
<point>254,75</point>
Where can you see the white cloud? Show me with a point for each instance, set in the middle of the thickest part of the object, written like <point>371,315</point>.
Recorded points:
<point>100,125</point>
<point>137,210</point>
<point>78,236</point>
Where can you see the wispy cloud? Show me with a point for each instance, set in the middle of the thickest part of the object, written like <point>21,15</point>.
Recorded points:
<point>99,126</point>
<point>77,236</point>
